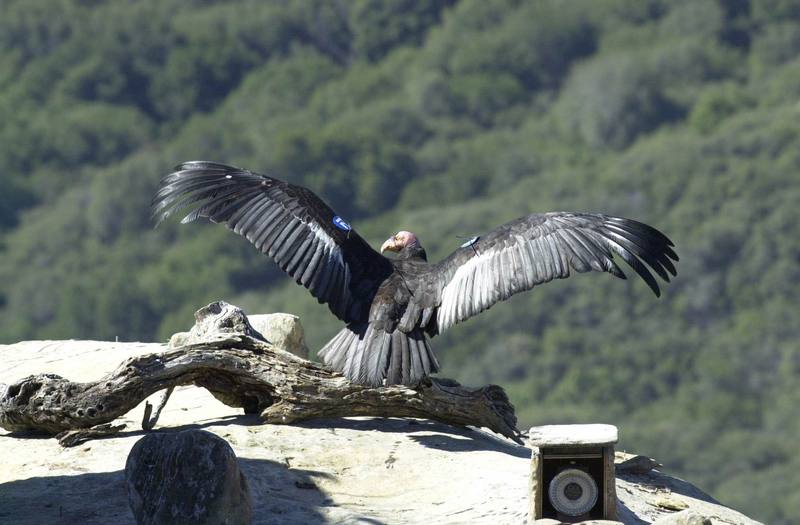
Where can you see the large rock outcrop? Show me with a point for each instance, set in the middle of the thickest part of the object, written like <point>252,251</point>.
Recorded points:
<point>353,470</point>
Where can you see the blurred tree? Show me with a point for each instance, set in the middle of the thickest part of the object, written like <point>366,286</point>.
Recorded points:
<point>379,26</point>
<point>609,102</point>
<point>717,103</point>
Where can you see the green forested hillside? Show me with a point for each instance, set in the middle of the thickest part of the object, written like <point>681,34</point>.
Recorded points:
<point>445,118</point>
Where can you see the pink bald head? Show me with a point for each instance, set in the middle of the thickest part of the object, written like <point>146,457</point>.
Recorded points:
<point>398,241</point>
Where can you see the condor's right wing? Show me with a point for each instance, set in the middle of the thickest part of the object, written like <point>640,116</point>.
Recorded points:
<point>289,223</point>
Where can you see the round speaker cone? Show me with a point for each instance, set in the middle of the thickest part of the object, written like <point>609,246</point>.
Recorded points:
<point>573,492</point>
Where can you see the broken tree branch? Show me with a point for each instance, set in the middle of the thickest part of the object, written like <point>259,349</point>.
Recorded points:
<point>246,373</point>
<point>73,438</point>
<point>242,371</point>
<point>148,422</point>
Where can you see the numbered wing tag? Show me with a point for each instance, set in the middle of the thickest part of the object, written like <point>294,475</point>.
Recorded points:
<point>470,242</point>
<point>341,223</point>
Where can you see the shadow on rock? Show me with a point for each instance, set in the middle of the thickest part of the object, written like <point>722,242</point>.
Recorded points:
<point>439,436</point>
<point>81,498</point>
<point>658,480</point>
<point>281,495</point>
<point>627,516</point>
<point>290,495</point>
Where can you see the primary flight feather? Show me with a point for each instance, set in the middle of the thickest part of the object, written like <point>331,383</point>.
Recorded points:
<point>392,306</point>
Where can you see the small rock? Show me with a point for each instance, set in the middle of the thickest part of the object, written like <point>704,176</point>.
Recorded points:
<point>669,502</point>
<point>637,465</point>
<point>178,339</point>
<point>186,477</point>
<point>684,517</point>
<point>219,318</point>
<point>307,485</point>
<point>213,321</point>
<point>282,330</point>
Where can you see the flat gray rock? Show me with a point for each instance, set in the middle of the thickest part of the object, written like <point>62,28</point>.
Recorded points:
<point>566,435</point>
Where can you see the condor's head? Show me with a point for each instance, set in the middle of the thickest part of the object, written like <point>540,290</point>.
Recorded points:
<point>405,244</point>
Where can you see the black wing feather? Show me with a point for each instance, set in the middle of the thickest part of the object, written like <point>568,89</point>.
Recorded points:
<point>288,222</point>
<point>539,248</point>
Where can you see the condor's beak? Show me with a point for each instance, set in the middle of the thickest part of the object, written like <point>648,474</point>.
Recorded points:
<point>389,244</point>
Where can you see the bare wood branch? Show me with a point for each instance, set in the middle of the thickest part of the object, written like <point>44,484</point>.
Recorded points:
<point>148,422</point>
<point>244,372</point>
<point>72,438</point>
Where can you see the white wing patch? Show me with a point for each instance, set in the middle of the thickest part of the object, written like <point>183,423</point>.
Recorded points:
<point>539,248</point>
<point>322,235</point>
<point>469,291</point>
<point>332,251</point>
<point>497,274</point>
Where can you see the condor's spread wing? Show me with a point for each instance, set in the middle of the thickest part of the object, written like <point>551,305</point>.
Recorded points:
<point>539,248</point>
<point>288,223</point>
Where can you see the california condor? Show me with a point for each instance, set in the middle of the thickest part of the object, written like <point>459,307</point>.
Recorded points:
<point>392,306</point>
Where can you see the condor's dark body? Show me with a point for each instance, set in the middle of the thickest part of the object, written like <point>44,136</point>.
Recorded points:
<point>391,305</point>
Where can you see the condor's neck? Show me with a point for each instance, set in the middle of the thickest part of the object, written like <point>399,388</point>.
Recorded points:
<point>412,252</point>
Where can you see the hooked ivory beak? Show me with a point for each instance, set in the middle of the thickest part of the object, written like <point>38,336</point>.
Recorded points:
<point>389,244</point>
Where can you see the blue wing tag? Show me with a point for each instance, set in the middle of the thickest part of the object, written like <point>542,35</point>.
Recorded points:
<point>341,223</point>
<point>470,242</point>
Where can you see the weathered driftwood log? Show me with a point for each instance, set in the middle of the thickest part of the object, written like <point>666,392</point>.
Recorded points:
<point>242,371</point>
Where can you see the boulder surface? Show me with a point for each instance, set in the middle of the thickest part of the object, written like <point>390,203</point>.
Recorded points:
<point>352,470</point>
<point>186,477</point>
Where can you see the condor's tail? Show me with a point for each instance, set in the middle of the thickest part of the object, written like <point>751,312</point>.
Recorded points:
<point>375,357</point>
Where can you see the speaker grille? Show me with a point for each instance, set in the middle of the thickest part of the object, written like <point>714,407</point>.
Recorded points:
<point>573,492</point>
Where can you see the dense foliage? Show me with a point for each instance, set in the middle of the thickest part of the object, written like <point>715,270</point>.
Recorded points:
<point>445,118</point>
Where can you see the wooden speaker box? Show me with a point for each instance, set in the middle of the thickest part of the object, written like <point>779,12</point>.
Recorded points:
<point>572,472</point>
